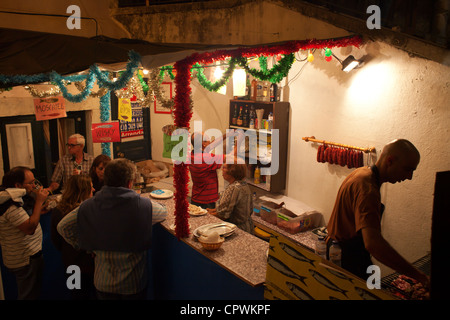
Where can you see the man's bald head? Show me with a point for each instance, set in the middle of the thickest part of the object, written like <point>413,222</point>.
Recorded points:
<point>398,160</point>
<point>400,148</point>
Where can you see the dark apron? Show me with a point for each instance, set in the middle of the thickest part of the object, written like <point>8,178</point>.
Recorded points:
<point>354,257</point>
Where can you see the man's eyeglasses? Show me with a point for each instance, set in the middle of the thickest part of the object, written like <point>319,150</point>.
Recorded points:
<point>35,183</point>
<point>70,145</point>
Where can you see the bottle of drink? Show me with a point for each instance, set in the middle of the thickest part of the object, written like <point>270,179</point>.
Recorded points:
<point>259,91</point>
<point>321,247</point>
<point>257,176</point>
<point>245,120</point>
<point>252,117</point>
<point>335,253</point>
<point>240,117</point>
<point>254,89</point>
<point>273,92</point>
<point>270,121</point>
<point>247,88</point>
<point>251,124</point>
<point>235,115</point>
<point>266,91</point>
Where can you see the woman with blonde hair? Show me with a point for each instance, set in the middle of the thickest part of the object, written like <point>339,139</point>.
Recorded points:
<point>236,203</point>
<point>78,189</point>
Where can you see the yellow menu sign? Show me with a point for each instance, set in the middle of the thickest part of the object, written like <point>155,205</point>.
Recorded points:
<point>125,112</point>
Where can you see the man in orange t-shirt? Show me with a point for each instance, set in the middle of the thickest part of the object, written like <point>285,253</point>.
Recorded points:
<point>356,218</point>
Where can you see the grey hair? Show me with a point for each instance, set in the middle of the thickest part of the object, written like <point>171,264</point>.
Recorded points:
<point>119,172</point>
<point>80,139</point>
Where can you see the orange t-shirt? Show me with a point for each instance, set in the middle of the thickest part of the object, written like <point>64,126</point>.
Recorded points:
<point>358,205</point>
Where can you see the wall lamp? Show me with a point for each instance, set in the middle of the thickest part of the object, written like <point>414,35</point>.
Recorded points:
<point>349,63</point>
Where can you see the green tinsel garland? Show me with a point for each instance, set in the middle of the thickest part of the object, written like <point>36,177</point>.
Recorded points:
<point>274,75</point>
<point>167,69</point>
<point>214,86</point>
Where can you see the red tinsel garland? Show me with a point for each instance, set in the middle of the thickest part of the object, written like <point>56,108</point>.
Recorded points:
<point>183,113</point>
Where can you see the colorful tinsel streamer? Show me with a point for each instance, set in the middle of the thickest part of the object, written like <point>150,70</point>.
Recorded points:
<point>105,113</point>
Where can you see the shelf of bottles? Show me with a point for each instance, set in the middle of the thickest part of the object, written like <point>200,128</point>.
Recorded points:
<point>262,116</point>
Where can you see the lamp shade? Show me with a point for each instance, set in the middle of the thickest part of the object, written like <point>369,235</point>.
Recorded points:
<point>349,63</point>
<point>239,82</point>
<point>218,73</point>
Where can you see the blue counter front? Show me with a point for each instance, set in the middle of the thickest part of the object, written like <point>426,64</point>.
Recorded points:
<point>182,273</point>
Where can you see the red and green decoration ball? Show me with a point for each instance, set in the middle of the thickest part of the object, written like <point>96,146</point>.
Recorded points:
<point>328,54</point>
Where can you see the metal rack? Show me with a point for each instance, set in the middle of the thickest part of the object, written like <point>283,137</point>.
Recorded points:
<point>313,139</point>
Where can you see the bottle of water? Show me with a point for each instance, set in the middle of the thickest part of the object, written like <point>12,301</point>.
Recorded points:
<point>321,247</point>
<point>335,253</point>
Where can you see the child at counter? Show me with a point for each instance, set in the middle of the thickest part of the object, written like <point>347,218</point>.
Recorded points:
<point>236,203</point>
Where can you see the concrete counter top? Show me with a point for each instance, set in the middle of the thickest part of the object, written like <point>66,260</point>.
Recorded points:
<point>242,254</point>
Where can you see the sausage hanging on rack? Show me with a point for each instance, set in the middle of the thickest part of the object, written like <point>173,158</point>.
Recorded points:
<point>322,155</point>
<point>342,157</point>
<point>335,152</point>
<point>361,159</point>
<point>319,153</point>
<point>356,159</point>
<point>349,158</point>
<point>330,155</point>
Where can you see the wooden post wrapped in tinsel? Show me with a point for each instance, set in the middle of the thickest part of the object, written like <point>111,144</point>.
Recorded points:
<point>182,115</point>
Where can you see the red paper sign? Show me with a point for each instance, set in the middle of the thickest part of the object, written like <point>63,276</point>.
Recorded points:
<point>49,108</point>
<point>106,132</point>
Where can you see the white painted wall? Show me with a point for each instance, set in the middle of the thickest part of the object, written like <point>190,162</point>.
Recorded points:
<point>392,96</point>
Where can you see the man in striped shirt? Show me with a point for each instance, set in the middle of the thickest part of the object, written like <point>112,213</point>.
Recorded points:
<point>116,225</point>
<point>21,233</point>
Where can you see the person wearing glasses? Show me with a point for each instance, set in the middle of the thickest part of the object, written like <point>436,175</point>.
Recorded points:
<point>20,232</point>
<point>75,162</point>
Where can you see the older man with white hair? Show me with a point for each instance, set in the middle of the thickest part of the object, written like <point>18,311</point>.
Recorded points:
<point>75,162</point>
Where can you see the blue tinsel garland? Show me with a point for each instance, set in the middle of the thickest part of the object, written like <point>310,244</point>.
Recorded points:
<point>94,73</point>
<point>105,112</point>
<point>55,77</point>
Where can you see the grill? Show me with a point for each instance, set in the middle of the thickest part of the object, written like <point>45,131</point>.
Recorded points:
<point>423,264</point>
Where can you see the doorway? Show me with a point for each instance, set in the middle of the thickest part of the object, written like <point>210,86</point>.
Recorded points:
<point>137,146</point>
<point>38,144</point>
<point>23,144</point>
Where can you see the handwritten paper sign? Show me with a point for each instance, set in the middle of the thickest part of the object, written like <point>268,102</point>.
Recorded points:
<point>125,109</point>
<point>106,132</point>
<point>49,108</point>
